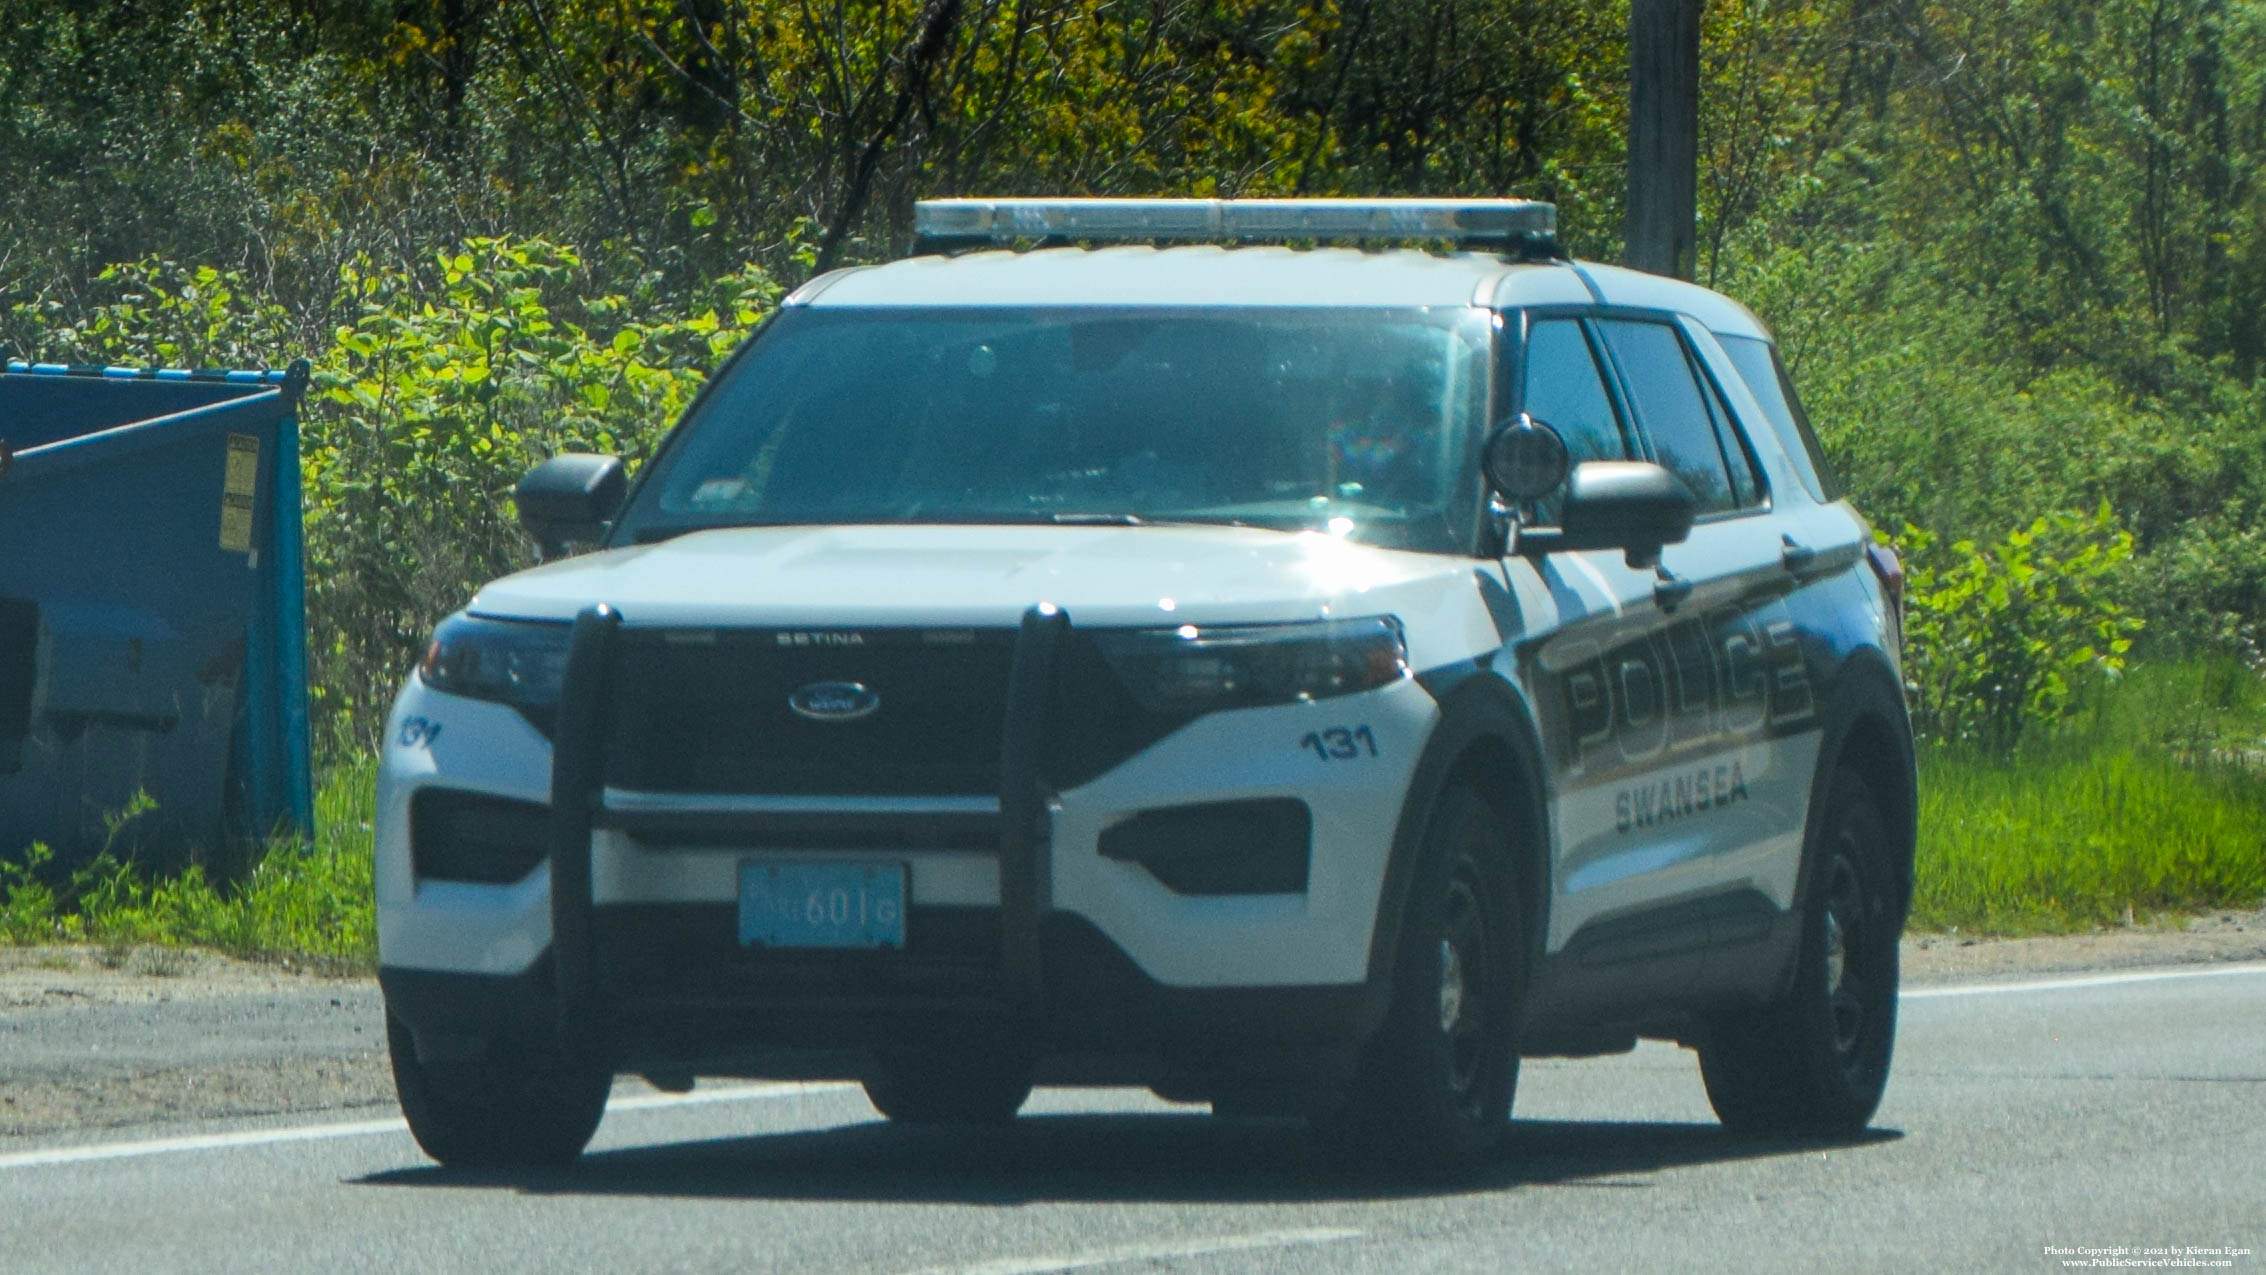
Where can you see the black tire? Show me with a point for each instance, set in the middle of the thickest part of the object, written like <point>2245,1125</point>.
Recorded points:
<point>919,1087</point>
<point>1436,1082</point>
<point>1814,1062</point>
<point>507,1109</point>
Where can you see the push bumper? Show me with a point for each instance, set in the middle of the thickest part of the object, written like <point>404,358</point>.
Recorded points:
<point>668,987</point>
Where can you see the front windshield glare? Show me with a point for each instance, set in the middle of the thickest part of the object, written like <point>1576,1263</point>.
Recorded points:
<point>1360,423</point>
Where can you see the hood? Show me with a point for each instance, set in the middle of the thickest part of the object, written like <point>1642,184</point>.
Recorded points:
<point>827,577</point>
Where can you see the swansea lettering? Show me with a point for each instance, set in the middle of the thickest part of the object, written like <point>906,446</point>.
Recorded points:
<point>1689,792</point>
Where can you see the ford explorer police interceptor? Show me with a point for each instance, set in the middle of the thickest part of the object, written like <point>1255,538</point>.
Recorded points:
<point>1119,645</point>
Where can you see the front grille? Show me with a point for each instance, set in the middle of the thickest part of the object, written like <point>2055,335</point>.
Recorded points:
<point>706,711</point>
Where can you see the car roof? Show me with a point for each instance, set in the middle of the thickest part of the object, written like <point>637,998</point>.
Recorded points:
<point>1620,286</point>
<point>1194,274</point>
<point>1215,275</point>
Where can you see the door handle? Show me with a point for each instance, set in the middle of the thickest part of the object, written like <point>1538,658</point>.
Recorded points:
<point>1797,556</point>
<point>1670,590</point>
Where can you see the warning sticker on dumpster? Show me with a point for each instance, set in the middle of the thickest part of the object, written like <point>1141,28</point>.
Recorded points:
<point>237,491</point>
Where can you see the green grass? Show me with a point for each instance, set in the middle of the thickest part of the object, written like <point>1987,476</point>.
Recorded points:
<point>2015,848</point>
<point>312,903</point>
<point>2151,801</point>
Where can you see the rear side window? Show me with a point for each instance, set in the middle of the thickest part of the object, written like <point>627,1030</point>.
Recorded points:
<point>1746,484</point>
<point>1765,374</point>
<point>1672,409</point>
<point>1565,391</point>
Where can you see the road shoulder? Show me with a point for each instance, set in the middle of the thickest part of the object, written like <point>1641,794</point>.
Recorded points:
<point>2208,938</point>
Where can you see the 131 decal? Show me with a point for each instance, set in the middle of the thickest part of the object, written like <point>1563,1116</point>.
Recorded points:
<point>1341,743</point>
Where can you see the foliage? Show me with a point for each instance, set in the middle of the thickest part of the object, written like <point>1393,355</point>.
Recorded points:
<point>2001,639</point>
<point>297,901</point>
<point>437,397</point>
<point>155,313</point>
<point>2015,253</point>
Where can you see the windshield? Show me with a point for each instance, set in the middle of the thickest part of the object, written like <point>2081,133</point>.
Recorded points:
<point>1361,423</point>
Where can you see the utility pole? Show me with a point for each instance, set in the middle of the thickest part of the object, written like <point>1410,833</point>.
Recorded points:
<point>1661,230</point>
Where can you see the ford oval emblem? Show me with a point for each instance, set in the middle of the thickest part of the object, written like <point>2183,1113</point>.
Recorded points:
<point>834,702</point>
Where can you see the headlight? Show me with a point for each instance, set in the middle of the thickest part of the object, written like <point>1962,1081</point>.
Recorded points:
<point>516,662</point>
<point>1192,670</point>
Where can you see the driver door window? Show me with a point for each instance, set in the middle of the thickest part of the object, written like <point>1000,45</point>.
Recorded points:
<point>1565,390</point>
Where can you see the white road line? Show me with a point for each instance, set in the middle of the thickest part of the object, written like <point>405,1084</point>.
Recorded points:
<point>2087,980</point>
<point>1054,1264</point>
<point>53,1156</point>
<point>198,1142</point>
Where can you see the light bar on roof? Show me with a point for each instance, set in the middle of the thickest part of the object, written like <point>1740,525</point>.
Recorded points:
<point>1230,220</point>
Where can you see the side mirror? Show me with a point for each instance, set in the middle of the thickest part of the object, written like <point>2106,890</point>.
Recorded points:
<point>568,500</point>
<point>1631,505</point>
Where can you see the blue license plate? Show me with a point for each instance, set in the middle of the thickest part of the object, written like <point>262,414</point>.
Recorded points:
<point>853,903</point>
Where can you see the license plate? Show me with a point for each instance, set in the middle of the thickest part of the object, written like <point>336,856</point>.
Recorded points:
<point>851,903</point>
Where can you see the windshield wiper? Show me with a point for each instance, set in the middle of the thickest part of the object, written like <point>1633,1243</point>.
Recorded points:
<point>1081,518</point>
<point>1072,518</point>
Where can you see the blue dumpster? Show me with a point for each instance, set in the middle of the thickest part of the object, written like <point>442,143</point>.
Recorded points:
<point>152,608</point>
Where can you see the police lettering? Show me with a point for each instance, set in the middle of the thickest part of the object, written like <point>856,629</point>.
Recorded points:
<point>1728,676</point>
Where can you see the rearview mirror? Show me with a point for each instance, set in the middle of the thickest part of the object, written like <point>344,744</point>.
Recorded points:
<point>567,501</point>
<point>1631,505</point>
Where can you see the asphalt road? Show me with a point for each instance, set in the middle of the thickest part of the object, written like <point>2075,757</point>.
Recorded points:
<point>2084,1113</point>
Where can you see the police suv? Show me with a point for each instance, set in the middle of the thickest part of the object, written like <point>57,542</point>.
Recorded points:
<point>1122,643</point>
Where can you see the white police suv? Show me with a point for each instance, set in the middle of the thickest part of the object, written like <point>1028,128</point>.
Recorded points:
<point>1104,648</point>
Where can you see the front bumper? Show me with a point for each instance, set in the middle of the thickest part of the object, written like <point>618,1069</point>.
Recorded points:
<point>625,941</point>
<point>1098,1020</point>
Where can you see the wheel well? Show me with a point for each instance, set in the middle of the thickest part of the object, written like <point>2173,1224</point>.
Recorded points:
<point>1485,742</point>
<point>1490,767</point>
<point>1874,750</point>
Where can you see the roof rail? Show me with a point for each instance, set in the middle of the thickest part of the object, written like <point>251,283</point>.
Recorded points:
<point>1524,227</point>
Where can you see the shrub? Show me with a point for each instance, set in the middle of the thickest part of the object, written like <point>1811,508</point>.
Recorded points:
<point>433,402</point>
<point>154,313</point>
<point>2000,638</point>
